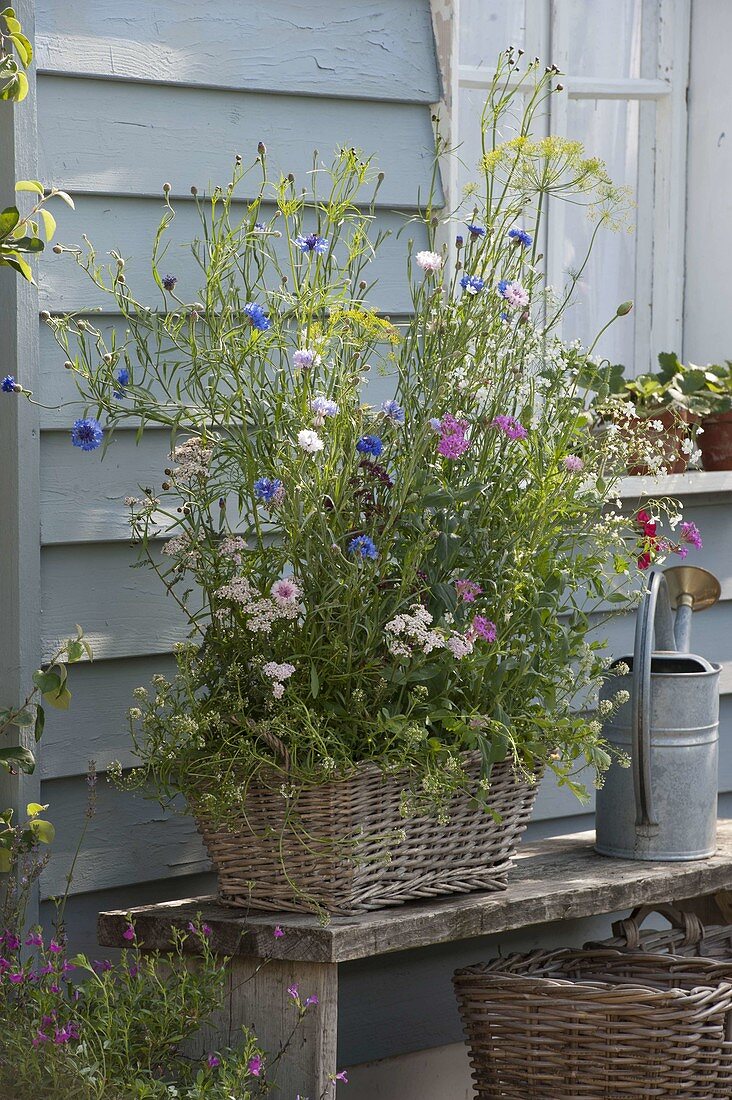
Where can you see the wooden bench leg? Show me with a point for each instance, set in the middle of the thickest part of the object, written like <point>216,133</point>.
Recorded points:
<point>257,998</point>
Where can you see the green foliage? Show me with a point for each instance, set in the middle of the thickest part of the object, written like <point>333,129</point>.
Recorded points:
<point>22,237</point>
<point>16,54</point>
<point>698,391</point>
<point>376,658</point>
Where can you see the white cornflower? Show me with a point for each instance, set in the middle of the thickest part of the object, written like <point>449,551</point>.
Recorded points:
<point>310,441</point>
<point>429,261</point>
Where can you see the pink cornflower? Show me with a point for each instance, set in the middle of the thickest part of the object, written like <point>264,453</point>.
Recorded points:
<point>453,440</point>
<point>468,590</point>
<point>574,464</point>
<point>429,261</point>
<point>510,427</point>
<point>254,1065</point>
<point>285,590</point>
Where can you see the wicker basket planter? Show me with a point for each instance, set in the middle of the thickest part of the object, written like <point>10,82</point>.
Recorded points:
<point>597,1025</point>
<point>338,847</point>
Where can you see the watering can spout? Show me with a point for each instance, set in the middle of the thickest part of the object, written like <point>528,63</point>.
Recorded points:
<point>664,806</point>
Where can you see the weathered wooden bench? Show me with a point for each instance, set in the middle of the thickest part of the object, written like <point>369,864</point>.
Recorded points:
<point>555,879</point>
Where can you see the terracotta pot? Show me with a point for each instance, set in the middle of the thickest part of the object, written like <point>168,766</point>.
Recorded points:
<point>715,442</point>
<point>675,432</point>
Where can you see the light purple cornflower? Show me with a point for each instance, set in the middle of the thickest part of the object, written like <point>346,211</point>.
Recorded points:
<point>323,406</point>
<point>392,410</point>
<point>483,628</point>
<point>305,358</point>
<point>513,293</point>
<point>574,464</point>
<point>510,426</point>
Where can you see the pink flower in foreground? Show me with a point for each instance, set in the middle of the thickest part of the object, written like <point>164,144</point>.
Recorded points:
<point>453,439</point>
<point>574,464</point>
<point>484,628</point>
<point>429,261</point>
<point>690,533</point>
<point>285,590</point>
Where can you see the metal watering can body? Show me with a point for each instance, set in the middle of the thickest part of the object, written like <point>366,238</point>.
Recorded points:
<point>664,806</point>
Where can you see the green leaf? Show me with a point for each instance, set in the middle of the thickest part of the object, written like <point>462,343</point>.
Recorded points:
<point>33,809</point>
<point>48,681</point>
<point>22,47</point>
<point>30,185</point>
<point>314,682</point>
<point>18,264</point>
<point>9,218</point>
<point>42,830</point>
<point>59,699</point>
<point>74,650</point>
<point>49,223</point>
<point>28,244</point>
<point>24,718</point>
<point>11,21</point>
<point>5,860</point>
<point>40,723</point>
<point>20,85</point>
<point>18,757</point>
<point>66,198</point>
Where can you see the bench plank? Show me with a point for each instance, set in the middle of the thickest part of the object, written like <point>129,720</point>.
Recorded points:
<point>554,879</point>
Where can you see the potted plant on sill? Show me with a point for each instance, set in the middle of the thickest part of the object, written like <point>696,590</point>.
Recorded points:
<point>389,603</point>
<point>664,407</point>
<point>714,395</point>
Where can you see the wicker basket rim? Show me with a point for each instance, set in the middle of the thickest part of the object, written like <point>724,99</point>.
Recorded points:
<point>591,989</point>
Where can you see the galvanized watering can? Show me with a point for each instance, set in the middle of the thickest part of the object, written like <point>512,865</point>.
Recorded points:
<point>664,807</point>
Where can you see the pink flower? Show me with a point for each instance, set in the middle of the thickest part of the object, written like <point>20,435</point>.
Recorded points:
<point>294,992</point>
<point>510,427</point>
<point>254,1065</point>
<point>128,934</point>
<point>285,591</point>
<point>41,1037</point>
<point>574,464</point>
<point>311,1001</point>
<point>35,939</point>
<point>484,628</point>
<point>16,977</point>
<point>55,948</point>
<point>690,533</point>
<point>453,440</point>
<point>278,933</point>
<point>429,261</point>
<point>468,590</point>
<point>213,1061</point>
<point>342,1076</point>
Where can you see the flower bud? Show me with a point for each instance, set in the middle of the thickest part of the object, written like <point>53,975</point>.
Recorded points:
<point>45,315</point>
<point>290,177</point>
<point>108,358</point>
<point>194,189</point>
<point>166,188</point>
<point>362,284</point>
<point>262,149</point>
<point>68,364</point>
<point>623,309</point>
<point>57,249</point>
<point>166,486</point>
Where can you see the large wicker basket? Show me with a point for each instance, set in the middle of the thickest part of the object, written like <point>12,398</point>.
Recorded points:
<point>345,847</point>
<point>688,935</point>
<point>597,1025</point>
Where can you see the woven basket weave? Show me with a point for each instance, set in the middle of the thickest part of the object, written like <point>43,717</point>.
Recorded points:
<point>597,1025</point>
<point>688,935</point>
<point>337,848</point>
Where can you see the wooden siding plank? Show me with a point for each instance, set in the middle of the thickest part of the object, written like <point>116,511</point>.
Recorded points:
<point>129,225</point>
<point>96,726</point>
<point>364,50</point>
<point>129,839</point>
<point>103,138</point>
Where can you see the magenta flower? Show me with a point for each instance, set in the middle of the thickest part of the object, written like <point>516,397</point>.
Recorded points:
<point>213,1061</point>
<point>16,977</point>
<point>690,533</point>
<point>278,933</point>
<point>453,439</point>
<point>510,427</point>
<point>255,1066</point>
<point>55,948</point>
<point>129,933</point>
<point>35,939</point>
<point>311,1001</point>
<point>41,1037</point>
<point>342,1076</point>
<point>484,628</point>
<point>294,992</point>
<point>468,590</point>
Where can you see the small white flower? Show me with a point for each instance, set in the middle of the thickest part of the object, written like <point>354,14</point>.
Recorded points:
<point>310,441</point>
<point>657,425</point>
<point>687,446</point>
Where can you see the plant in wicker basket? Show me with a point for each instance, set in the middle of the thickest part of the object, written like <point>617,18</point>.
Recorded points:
<point>389,584</point>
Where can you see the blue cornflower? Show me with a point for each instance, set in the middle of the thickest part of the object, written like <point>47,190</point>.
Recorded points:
<point>8,384</point>
<point>87,433</point>
<point>312,243</point>
<point>169,281</point>
<point>363,546</point>
<point>472,283</point>
<point>268,488</point>
<point>393,411</point>
<point>370,445</point>
<point>257,317</point>
<point>520,236</point>
<point>459,241</point>
<point>476,231</point>
<point>123,379</point>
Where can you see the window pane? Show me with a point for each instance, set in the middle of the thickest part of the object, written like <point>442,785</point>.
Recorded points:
<point>610,38</point>
<point>610,129</point>
<point>489,26</point>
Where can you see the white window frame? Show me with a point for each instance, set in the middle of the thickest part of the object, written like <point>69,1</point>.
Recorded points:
<point>660,241</point>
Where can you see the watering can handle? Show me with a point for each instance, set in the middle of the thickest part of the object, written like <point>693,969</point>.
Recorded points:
<point>651,614</point>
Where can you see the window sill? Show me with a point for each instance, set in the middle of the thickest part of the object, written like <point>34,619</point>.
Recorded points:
<point>710,487</point>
